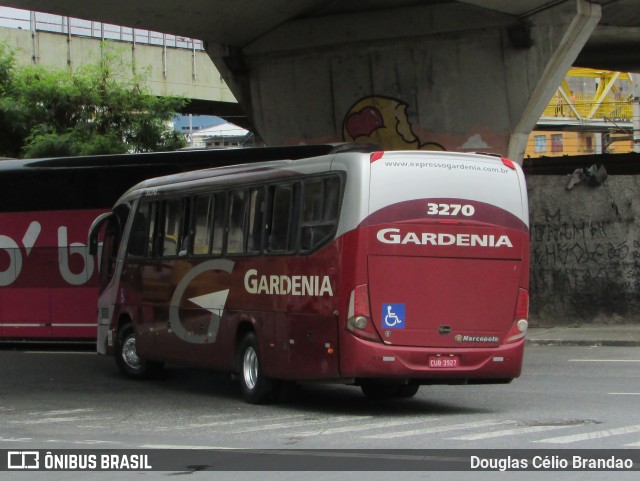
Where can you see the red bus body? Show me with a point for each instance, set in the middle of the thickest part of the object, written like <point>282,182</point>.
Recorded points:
<point>420,277</point>
<point>48,281</point>
<point>48,286</point>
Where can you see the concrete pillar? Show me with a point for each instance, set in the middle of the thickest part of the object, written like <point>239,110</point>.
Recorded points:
<point>446,76</point>
<point>567,31</point>
<point>635,78</point>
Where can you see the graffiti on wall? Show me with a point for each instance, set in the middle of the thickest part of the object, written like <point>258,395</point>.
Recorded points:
<point>584,269</point>
<point>383,121</point>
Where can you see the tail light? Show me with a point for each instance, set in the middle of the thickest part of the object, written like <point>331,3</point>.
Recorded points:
<point>521,317</point>
<point>359,315</point>
<point>508,163</point>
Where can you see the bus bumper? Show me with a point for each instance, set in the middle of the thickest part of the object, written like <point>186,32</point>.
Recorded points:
<point>364,359</point>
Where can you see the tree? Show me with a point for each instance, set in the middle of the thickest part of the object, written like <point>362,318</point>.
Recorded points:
<point>99,108</point>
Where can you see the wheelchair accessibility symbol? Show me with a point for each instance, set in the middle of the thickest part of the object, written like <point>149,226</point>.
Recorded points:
<point>393,316</point>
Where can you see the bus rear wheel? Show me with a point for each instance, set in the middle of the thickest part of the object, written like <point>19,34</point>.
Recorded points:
<point>256,388</point>
<point>127,358</point>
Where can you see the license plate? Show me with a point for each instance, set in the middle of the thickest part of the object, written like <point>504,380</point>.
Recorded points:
<point>439,362</point>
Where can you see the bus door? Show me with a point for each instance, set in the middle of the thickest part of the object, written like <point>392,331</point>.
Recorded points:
<point>448,251</point>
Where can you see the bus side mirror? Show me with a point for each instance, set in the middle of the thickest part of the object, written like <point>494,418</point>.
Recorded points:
<point>94,232</point>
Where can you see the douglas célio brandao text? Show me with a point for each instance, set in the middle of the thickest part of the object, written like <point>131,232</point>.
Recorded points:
<point>550,462</point>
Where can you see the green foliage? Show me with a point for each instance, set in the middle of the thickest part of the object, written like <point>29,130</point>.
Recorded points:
<point>101,108</point>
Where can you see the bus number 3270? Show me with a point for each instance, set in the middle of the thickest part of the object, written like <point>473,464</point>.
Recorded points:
<point>450,209</point>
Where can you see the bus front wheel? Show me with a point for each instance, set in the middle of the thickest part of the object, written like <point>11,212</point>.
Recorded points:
<point>256,388</point>
<point>127,358</point>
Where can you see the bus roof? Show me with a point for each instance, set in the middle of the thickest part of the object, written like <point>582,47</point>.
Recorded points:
<point>205,157</point>
<point>93,182</point>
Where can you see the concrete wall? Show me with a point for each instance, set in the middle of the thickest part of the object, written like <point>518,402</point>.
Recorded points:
<point>445,76</point>
<point>176,73</point>
<point>585,250</point>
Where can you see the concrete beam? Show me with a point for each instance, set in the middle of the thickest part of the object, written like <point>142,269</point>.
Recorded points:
<point>170,71</point>
<point>440,76</point>
<point>565,29</point>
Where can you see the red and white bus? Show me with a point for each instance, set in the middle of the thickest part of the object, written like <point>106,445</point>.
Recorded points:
<point>387,270</point>
<point>48,282</point>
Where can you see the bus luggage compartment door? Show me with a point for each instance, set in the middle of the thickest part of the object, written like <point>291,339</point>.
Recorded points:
<point>443,301</point>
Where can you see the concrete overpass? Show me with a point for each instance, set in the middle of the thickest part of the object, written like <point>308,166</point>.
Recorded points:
<point>432,74</point>
<point>172,65</point>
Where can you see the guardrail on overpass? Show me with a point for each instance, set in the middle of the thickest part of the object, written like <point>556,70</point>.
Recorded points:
<point>177,65</point>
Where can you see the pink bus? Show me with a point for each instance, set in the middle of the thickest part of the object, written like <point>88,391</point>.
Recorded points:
<point>48,281</point>
<point>386,270</point>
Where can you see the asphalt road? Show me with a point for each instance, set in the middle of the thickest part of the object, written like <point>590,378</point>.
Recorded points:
<point>567,398</point>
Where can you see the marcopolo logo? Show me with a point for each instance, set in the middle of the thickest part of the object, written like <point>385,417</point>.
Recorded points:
<point>464,338</point>
<point>394,236</point>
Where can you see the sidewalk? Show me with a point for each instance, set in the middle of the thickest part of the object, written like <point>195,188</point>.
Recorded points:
<point>590,335</point>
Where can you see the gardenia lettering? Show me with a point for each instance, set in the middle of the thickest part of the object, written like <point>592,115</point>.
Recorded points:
<point>393,236</point>
<point>287,285</point>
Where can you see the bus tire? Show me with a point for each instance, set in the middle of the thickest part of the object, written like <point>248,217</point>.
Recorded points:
<point>256,388</point>
<point>407,391</point>
<point>127,359</point>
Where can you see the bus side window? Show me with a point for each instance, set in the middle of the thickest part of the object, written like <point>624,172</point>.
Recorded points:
<point>331,199</point>
<point>142,230</point>
<point>235,240</point>
<point>138,239</point>
<point>152,234</point>
<point>320,209</point>
<point>109,252</point>
<point>256,220</point>
<point>219,222</point>
<point>313,201</point>
<point>172,235</point>
<point>279,228</point>
<point>203,225</point>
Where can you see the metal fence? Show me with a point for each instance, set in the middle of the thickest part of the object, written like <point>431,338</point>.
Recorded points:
<point>45,22</point>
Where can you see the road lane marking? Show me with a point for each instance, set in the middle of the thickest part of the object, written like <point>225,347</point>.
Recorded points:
<point>439,429</point>
<point>366,427</point>
<point>604,360</point>
<point>296,424</point>
<point>591,435</point>
<point>179,446</point>
<point>228,422</point>
<point>625,393</point>
<point>61,412</point>
<point>508,432</point>
<point>245,420</point>
<point>59,420</point>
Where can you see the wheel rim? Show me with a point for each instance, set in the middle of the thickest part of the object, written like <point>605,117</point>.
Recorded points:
<point>250,368</point>
<point>129,353</point>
